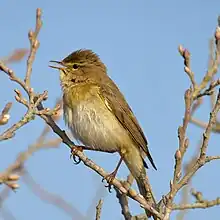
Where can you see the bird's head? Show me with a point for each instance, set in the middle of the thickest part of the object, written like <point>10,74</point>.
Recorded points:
<point>79,67</point>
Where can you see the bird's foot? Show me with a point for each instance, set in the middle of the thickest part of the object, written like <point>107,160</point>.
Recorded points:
<point>73,155</point>
<point>109,179</point>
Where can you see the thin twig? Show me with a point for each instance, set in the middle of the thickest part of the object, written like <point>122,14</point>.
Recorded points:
<point>50,198</point>
<point>34,44</point>
<point>10,132</point>
<point>199,163</point>
<point>98,210</point>
<point>16,56</point>
<point>123,201</point>
<point>198,205</point>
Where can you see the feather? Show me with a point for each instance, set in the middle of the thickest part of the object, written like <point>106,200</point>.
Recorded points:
<point>116,103</point>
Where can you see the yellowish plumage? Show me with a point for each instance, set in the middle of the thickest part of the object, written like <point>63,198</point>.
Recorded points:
<point>92,123</point>
<point>98,115</point>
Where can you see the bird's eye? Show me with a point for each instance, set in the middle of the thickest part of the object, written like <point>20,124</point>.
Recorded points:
<point>75,66</point>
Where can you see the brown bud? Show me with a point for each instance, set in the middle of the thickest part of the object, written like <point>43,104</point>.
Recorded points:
<point>217,34</point>
<point>181,50</point>
<point>4,119</point>
<point>186,54</point>
<point>30,34</point>
<point>178,155</point>
<point>18,99</point>
<point>17,92</point>
<point>10,72</point>
<point>39,12</point>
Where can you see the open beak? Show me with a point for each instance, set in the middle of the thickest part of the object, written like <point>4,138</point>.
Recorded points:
<point>57,67</point>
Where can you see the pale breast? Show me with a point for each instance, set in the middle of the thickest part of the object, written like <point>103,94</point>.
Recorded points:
<point>95,126</point>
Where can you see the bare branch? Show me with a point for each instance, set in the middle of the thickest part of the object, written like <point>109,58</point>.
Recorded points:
<point>185,191</point>
<point>10,175</point>
<point>210,158</point>
<point>206,135</point>
<point>98,210</point>
<point>89,163</point>
<point>200,202</point>
<point>51,198</point>
<point>193,98</point>
<point>123,201</point>
<point>37,109</point>
<point>202,158</point>
<point>10,132</point>
<point>183,141</point>
<point>201,205</point>
<point>16,56</point>
<point>34,45</point>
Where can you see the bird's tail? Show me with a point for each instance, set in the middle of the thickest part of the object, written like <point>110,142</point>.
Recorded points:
<point>145,188</point>
<point>134,162</point>
<point>146,191</point>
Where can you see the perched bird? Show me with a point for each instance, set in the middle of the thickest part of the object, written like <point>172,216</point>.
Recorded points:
<point>99,116</point>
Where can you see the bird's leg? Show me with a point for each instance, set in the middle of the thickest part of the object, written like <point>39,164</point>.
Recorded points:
<point>110,177</point>
<point>74,149</point>
<point>81,148</point>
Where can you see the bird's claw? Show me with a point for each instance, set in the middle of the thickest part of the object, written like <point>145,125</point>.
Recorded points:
<point>73,155</point>
<point>76,159</point>
<point>109,179</point>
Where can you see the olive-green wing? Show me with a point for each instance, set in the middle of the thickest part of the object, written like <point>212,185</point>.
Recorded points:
<point>117,104</point>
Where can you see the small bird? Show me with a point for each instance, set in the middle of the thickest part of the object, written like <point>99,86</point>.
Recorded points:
<point>99,116</point>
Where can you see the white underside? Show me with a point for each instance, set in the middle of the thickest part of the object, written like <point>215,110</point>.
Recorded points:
<point>94,125</point>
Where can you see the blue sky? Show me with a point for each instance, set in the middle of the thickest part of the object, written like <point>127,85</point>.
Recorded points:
<point>138,41</point>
